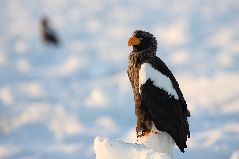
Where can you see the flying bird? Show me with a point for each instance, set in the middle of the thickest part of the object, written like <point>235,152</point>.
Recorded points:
<point>48,34</point>
<point>159,102</point>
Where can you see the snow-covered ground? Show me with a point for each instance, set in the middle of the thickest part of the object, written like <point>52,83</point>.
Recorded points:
<point>55,101</point>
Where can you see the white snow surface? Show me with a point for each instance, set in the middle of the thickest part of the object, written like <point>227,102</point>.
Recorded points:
<point>118,149</point>
<point>159,80</point>
<point>161,142</point>
<point>235,155</point>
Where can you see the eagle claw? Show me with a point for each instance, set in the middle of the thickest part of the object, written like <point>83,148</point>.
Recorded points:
<point>144,133</point>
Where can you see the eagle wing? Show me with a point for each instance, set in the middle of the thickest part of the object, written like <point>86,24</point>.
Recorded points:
<point>163,99</point>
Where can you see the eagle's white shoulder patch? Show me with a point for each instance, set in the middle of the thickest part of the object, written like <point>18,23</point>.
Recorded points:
<point>159,80</point>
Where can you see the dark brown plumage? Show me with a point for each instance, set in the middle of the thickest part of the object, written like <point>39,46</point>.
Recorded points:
<point>48,34</point>
<point>153,104</point>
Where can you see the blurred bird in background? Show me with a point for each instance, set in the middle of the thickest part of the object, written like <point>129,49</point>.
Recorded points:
<point>49,35</point>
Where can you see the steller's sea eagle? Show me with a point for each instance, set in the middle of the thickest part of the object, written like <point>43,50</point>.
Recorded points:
<point>159,102</point>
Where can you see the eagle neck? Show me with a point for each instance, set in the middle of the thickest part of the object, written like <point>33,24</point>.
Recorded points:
<point>139,57</point>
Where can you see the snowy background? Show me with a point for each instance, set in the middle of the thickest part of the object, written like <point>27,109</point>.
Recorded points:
<point>55,100</point>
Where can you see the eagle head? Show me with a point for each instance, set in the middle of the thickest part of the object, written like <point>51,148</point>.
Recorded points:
<point>142,40</point>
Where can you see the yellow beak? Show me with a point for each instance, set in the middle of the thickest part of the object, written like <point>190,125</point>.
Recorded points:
<point>133,41</point>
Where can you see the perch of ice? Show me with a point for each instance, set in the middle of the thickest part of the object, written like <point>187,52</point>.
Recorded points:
<point>153,146</point>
